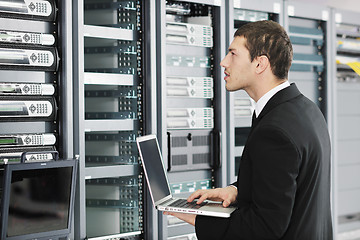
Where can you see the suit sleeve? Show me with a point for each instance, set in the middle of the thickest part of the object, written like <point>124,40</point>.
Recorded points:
<point>274,164</point>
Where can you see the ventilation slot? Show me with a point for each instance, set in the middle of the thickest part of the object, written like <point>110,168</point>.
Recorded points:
<point>179,142</point>
<point>201,158</point>
<point>200,141</point>
<point>179,160</point>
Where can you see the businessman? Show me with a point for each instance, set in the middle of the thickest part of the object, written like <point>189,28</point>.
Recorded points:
<point>283,185</point>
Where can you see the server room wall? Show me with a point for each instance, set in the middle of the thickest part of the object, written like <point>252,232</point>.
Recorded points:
<point>107,71</point>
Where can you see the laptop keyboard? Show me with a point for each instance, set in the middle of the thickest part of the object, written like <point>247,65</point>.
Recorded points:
<point>183,203</point>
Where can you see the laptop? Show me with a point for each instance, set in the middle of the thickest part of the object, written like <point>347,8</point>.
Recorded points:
<point>159,186</point>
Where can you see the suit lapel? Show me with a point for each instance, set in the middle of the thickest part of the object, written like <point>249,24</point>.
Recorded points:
<point>280,97</point>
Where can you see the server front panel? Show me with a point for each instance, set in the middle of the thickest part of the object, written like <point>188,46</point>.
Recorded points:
<point>189,123</point>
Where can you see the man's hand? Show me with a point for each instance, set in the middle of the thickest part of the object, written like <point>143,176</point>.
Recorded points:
<point>226,195</point>
<point>189,218</point>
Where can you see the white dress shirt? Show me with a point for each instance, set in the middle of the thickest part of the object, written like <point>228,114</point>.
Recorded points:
<point>264,99</point>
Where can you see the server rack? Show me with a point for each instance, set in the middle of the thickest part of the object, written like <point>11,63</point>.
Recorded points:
<point>190,98</point>
<point>35,81</point>
<point>110,39</point>
<point>240,106</point>
<point>29,81</point>
<point>346,31</point>
<point>309,32</point>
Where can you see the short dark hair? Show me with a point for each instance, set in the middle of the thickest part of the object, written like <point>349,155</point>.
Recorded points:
<point>270,39</point>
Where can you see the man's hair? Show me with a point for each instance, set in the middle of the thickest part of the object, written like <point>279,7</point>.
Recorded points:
<point>270,39</point>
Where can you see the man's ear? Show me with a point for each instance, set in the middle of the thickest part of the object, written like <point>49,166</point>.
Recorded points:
<point>262,63</point>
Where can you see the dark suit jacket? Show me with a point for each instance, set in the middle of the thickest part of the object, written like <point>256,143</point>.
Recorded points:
<point>284,177</point>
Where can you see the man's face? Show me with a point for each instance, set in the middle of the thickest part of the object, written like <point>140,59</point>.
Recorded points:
<point>238,68</point>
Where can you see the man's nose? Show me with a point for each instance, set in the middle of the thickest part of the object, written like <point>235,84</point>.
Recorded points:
<point>224,62</point>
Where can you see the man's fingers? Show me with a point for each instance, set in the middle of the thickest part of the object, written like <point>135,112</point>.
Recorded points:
<point>218,194</point>
<point>202,198</point>
<point>202,195</point>
<point>226,203</point>
<point>194,195</point>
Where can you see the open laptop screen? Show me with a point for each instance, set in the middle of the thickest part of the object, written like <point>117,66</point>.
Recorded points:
<point>154,169</point>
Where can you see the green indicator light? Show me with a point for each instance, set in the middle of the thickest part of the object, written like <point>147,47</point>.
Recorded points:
<point>7,141</point>
<point>5,108</point>
<point>6,88</point>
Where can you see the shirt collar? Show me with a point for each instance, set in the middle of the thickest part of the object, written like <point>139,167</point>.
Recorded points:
<point>260,104</point>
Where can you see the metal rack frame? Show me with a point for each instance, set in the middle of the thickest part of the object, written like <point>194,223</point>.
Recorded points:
<point>82,124</point>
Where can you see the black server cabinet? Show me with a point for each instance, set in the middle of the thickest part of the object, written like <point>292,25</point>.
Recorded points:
<point>30,83</point>
<point>35,82</point>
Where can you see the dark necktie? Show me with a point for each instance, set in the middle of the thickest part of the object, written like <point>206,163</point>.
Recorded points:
<point>254,120</point>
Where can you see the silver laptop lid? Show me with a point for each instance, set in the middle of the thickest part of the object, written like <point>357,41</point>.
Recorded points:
<point>154,169</point>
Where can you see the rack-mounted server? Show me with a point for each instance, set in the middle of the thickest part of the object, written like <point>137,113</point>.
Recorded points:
<point>29,82</point>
